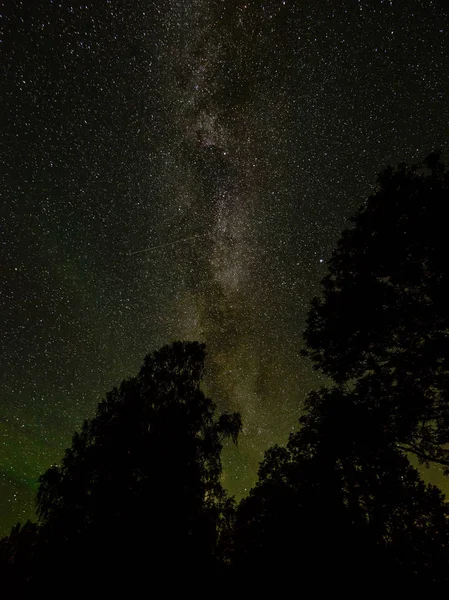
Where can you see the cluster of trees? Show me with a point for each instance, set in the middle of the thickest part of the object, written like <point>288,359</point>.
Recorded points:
<point>137,500</point>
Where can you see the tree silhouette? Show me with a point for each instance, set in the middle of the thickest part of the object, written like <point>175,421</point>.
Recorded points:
<point>137,498</point>
<point>382,324</point>
<point>17,555</point>
<point>341,506</point>
<point>342,503</point>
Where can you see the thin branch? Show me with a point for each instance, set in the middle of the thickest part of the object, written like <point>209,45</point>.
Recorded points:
<point>414,450</point>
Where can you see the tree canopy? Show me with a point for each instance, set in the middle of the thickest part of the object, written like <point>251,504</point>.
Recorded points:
<point>341,502</point>
<point>139,491</point>
<point>343,505</point>
<point>382,323</point>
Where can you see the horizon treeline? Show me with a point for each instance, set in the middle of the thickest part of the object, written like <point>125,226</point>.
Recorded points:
<point>136,505</point>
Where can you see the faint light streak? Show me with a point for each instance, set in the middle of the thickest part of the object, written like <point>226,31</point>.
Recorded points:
<point>167,244</point>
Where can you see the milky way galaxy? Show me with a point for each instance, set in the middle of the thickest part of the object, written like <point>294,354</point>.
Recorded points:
<point>182,169</point>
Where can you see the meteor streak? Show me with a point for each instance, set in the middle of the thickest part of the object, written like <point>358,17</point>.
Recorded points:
<point>193,237</point>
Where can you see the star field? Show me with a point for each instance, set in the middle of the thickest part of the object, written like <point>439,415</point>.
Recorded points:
<point>182,170</point>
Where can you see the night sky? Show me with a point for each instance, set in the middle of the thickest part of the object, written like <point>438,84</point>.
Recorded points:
<point>182,169</point>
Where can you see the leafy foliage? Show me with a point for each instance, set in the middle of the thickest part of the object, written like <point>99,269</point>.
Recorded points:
<point>343,505</point>
<point>342,502</point>
<point>382,324</point>
<point>138,494</point>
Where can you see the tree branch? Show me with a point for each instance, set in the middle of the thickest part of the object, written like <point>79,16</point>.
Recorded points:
<point>420,454</point>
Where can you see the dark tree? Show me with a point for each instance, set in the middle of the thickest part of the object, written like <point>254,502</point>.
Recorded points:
<point>382,324</point>
<point>340,508</point>
<point>17,555</point>
<point>137,499</point>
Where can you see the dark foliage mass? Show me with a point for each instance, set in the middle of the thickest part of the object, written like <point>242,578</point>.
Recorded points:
<point>136,506</point>
<point>343,507</point>
<point>383,321</point>
<point>138,494</point>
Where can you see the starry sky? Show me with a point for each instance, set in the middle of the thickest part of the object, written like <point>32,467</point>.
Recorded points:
<point>182,169</point>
